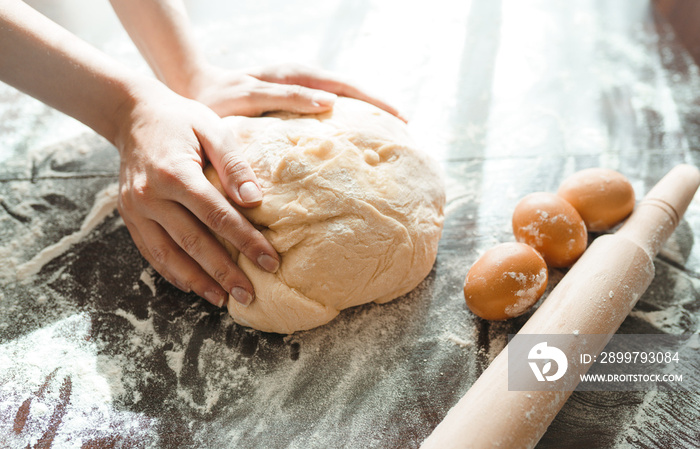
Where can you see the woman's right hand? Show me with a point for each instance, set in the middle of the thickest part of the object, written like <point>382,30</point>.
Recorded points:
<point>164,142</point>
<point>169,206</point>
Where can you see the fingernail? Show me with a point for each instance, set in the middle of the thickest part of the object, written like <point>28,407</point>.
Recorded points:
<point>323,98</point>
<point>268,262</point>
<point>241,295</point>
<point>215,298</point>
<point>250,193</point>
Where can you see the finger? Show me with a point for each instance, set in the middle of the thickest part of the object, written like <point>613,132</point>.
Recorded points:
<point>322,80</point>
<point>348,90</point>
<point>154,261</point>
<point>291,97</point>
<point>236,175</point>
<point>212,209</point>
<point>191,235</point>
<point>173,263</point>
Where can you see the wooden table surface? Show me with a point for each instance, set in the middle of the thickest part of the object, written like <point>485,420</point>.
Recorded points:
<point>511,96</point>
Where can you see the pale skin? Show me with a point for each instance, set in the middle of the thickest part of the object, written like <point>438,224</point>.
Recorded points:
<point>167,130</point>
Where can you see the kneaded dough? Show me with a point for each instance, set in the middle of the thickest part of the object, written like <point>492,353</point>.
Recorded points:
<point>353,208</point>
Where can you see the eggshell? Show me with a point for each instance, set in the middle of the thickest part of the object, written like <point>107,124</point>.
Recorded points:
<point>505,282</point>
<point>601,196</point>
<point>551,225</point>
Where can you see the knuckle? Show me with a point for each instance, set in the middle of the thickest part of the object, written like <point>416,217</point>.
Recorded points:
<point>295,91</point>
<point>234,166</point>
<point>222,275</point>
<point>140,193</point>
<point>167,177</point>
<point>136,196</point>
<point>248,243</point>
<point>217,219</point>
<point>191,243</point>
<point>159,254</point>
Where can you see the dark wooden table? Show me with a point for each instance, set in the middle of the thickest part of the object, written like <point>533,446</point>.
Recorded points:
<point>96,350</point>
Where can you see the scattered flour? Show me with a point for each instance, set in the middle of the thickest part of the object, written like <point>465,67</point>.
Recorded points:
<point>375,380</point>
<point>526,295</point>
<point>148,278</point>
<point>9,252</point>
<point>57,371</point>
<point>459,341</point>
<point>105,204</point>
<point>669,320</point>
<point>143,328</point>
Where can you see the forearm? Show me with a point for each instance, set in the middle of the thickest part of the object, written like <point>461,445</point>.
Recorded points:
<point>161,31</point>
<point>47,62</point>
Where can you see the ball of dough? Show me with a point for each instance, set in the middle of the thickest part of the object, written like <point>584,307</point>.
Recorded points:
<point>505,282</point>
<point>354,209</point>
<point>552,226</point>
<point>601,196</point>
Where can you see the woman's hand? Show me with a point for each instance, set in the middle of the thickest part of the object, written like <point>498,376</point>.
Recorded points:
<point>168,204</point>
<point>162,32</point>
<point>287,87</point>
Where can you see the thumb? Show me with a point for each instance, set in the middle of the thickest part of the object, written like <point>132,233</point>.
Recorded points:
<point>236,175</point>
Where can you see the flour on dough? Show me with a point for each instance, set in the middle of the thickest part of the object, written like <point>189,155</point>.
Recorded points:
<point>354,209</point>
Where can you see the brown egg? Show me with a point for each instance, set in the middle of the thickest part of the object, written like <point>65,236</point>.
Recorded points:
<point>601,196</point>
<point>505,282</point>
<point>552,226</point>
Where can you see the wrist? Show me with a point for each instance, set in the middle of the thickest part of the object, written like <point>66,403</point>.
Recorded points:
<point>194,80</point>
<point>134,95</point>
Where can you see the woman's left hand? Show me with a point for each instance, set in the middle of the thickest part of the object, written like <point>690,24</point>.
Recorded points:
<point>286,87</point>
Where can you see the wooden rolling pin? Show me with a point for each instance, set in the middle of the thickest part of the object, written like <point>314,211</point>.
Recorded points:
<point>594,297</point>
